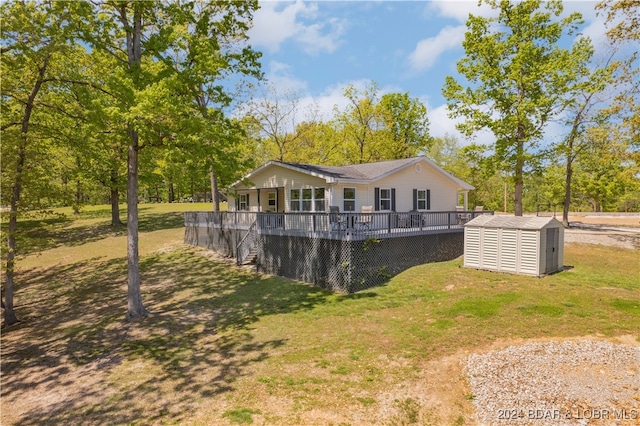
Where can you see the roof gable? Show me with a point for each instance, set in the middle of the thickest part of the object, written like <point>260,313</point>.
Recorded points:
<point>359,173</point>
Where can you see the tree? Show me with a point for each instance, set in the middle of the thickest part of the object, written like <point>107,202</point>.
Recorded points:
<point>359,122</point>
<point>36,39</point>
<point>519,78</point>
<point>277,115</point>
<point>147,41</point>
<point>406,124</point>
<point>605,172</point>
<point>586,108</point>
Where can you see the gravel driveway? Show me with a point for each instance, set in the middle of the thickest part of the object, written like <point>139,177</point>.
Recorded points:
<point>571,382</point>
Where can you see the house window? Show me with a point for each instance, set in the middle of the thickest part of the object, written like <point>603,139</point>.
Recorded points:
<point>385,199</point>
<point>421,199</point>
<point>349,199</point>
<point>295,200</point>
<point>307,200</point>
<point>243,202</point>
<point>271,198</point>
<point>318,195</point>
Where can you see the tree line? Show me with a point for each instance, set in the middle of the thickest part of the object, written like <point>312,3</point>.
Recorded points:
<point>108,101</point>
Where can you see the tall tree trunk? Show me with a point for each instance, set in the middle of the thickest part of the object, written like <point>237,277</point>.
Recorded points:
<point>9,314</point>
<point>518,176</point>
<point>567,194</point>
<point>114,198</point>
<point>115,207</point>
<point>172,196</point>
<point>136,309</point>
<point>215,195</point>
<point>78,198</point>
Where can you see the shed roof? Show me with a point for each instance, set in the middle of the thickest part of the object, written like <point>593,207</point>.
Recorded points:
<point>513,222</point>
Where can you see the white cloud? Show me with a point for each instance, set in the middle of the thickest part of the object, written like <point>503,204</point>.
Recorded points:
<point>427,51</point>
<point>273,25</point>
<point>440,125</point>
<point>280,76</point>
<point>459,10</point>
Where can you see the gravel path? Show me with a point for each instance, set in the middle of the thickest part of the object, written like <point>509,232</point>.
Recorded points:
<point>625,239</point>
<point>574,382</point>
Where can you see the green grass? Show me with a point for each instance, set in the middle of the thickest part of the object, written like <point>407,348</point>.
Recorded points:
<point>220,337</point>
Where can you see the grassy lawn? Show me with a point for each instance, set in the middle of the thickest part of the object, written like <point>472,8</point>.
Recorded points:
<point>226,346</point>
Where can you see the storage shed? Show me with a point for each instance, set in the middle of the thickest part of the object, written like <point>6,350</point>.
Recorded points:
<point>516,244</point>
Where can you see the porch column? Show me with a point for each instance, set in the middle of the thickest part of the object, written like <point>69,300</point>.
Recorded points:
<point>465,195</point>
<point>259,205</point>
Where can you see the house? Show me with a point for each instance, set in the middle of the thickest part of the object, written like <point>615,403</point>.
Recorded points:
<point>344,228</point>
<point>411,184</point>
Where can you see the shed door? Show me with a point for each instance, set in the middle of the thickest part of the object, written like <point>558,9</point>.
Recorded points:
<point>553,240</point>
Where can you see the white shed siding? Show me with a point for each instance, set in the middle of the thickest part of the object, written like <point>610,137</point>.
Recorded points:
<point>529,252</point>
<point>514,244</point>
<point>509,250</point>
<point>472,249</point>
<point>490,249</point>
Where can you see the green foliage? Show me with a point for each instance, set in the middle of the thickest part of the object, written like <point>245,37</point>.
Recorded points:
<point>517,76</point>
<point>369,129</point>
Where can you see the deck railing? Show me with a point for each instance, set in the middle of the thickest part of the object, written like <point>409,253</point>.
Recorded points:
<point>337,225</point>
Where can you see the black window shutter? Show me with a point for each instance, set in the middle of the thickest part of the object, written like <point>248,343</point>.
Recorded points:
<point>376,198</point>
<point>393,199</point>
<point>237,201</point>
<point>428,199</point>
<point>415,199</point>
<point>248,202</point>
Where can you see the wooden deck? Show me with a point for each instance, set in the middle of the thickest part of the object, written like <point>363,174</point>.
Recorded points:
<point>339,226</point>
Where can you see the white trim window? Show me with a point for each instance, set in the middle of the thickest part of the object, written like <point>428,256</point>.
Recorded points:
<point>271,200</point>
<point>243,202</point>
<point>307,200</point>
<point>349,199</point>
<point>385,199</point>
<point>318,200</point>
<point>421,198</point>
<point>295,200</point>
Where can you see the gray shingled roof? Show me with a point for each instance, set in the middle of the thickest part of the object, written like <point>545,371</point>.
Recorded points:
<point>366,171</point>
<point>513,222</point>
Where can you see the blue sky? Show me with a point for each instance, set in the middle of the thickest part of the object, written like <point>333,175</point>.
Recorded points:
<point>316,49</point>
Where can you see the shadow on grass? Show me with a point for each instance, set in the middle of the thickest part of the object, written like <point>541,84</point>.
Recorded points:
<point>37,235</point>
<point>195,344</point>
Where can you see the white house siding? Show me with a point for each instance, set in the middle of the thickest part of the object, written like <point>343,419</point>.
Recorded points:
<point>444,192</point>
<point>276,176</point>
<point>364,195</point>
